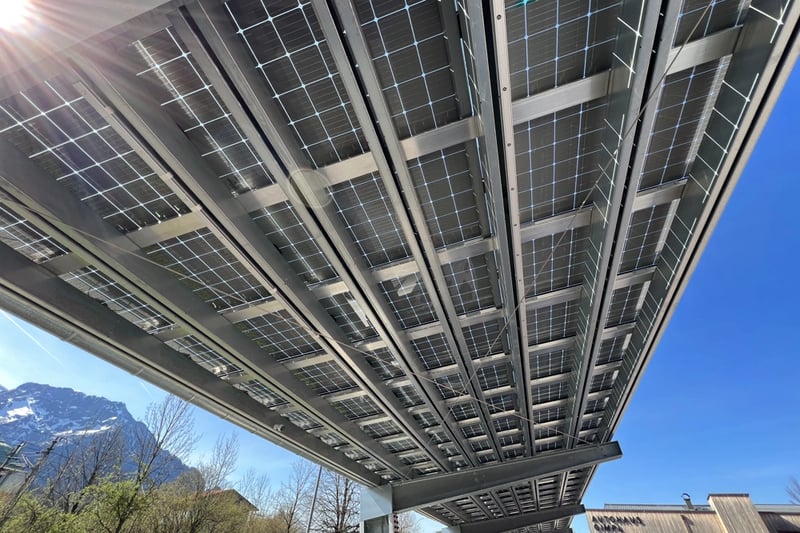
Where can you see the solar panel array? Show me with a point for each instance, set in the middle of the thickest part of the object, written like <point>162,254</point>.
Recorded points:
<point>347,272</point>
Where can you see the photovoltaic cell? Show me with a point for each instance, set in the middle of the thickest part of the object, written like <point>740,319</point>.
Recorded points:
<point>384,363</point>
<point>289,51</point>
<point>492,376</point>
<point>551,363</point>
<point>407,45</point>
<point>484,339</point>
<point>553,43</point>
<point>261,393</point>
<point>721,14</point>
<point>349,316</point>
<point>204,356</point>
<point>356,408</point>
<point>611,350</point>
<point>623,305</point>
<point>408,395</point>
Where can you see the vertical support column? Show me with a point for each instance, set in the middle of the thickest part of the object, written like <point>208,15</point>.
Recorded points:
<point>376,510</point>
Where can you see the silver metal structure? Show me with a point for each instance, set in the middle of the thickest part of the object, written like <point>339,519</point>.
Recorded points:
<point>431,245</point>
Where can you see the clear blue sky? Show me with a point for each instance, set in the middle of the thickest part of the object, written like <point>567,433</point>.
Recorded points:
<point>717,410</point>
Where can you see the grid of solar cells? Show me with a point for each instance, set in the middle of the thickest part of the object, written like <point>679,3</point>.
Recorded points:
<point>399,446</point>
<point>325,378</point>
<point>486,338</point>
<point>510,440</point>
<point>444,187</point>
<point>595,406</point>
<point>611,350</point>
<point>283,227</point>
<point>480,445</point>
<point>202,263</point>
<point>549,392</point>
<point>350,317</point>
<point>370,219</point>
<point>623,305</point>
<point>681,113</point>
<point>425,419</point>
<point>473,430</point>
<point>409,300</point>
<point>642,240</point>
<point>407,45</point>
<point>60,131</point>
<point>204,356</point>
<point>542,416</point>
<point>506,423</point>
<point>20,235</point>
<point>196,107</point>
<point>96,285</point>
<point>280,335</point>
<point>302,420</point>
<point>261,392</point>
<point>554,322</point>
<point>557,158</point>
<point>464,411</point>
<point>604,381</point>
<point>288,48</point>
<point>721,14</point>
<point>553,43</point>
<point>355,408</point>
<point>384,363</point>
<point>554,262</point>
<point>544,364</point>
<point>500,403</point>
<point>408,395</point>
<point>469,284</point>
<point>450,386</point>
<point>379,430</point>
<point>433,351</point>
<point>492,376</point>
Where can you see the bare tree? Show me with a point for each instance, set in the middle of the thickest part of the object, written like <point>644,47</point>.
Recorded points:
<point>409,523</point>
<point>292,498</point>
<point>337,506</point>
<point>257,489</point>
<point>168,432</point>
<point>793,490</point>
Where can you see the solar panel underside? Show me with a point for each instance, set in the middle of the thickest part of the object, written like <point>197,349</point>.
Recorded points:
<point>443,351</point>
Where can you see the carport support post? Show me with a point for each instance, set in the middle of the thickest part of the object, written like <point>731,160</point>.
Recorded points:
<point>376,509</point>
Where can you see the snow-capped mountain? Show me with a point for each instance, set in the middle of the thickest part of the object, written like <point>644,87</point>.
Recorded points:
<point>37,414</point>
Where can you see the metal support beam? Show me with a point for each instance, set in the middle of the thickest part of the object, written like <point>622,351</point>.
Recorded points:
<point>409,495</point>
<point>38,296</point>
<point>517,521</point>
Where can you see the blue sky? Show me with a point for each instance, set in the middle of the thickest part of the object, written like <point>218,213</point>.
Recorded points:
<point>717,408</point>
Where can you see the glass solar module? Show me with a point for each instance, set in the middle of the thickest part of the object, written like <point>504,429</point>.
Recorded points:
<point>557,159</point>
<point>407,395</point>
<point>682,113</point>
<point>20,235</point>
<point>279,335</point>
<point>554,262</point>
<point>554,322</point>
<point>98,286</point>
<point>407,45</point>
<point>486,338</point>
<point>58,129</point>
<point>464,411</point>
<point>325,378</point>
<point>288,49</point>
<point>469,284</point>
<point>209,359</point>
<point>283,227</point>
<point>500,403</point>
<point>444,187</point>
<point>384,363</point>
<point>356,408</point>
<point>623,305</point>
<point>642,239</point>
<point>493,376</point>
<point>611,349</point>
<point>349,316</point>
<point>369,217</point>
<point>262,393</point>
<point>450,386</point>
<point>196,107</point>
<point>207,267</point>
<point>553,43</point>
<point>409,300</point>
<point>719,15</point>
